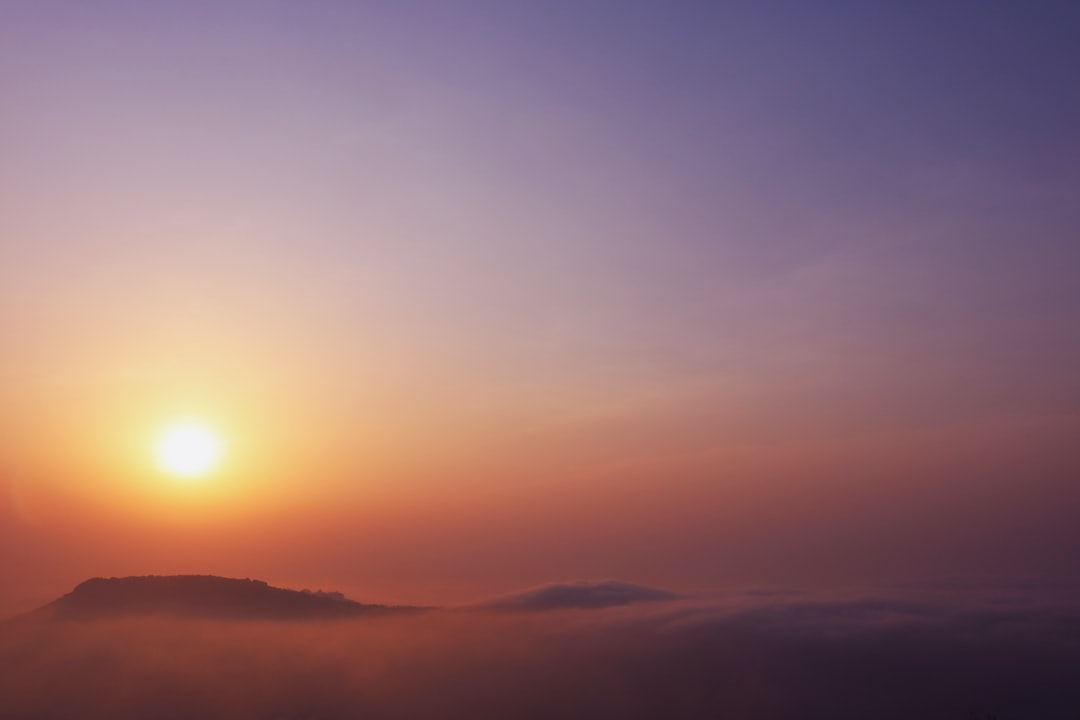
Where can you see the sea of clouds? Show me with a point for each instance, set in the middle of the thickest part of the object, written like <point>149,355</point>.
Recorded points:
<point>574,651</point>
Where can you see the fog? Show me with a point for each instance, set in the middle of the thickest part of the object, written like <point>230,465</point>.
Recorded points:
<point>764,655</point>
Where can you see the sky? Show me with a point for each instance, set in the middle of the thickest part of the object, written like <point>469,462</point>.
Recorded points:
<point>483,295</point>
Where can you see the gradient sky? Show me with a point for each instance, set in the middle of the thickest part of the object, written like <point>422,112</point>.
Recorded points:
<point>488,294</point>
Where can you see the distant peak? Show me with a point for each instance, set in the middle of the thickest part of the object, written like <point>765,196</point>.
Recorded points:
<point>581,594</point>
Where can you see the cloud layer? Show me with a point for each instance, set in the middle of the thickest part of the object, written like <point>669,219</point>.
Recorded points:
<point>754,657</point>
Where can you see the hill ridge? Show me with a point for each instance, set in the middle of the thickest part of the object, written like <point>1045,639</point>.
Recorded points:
<point>203,596</point>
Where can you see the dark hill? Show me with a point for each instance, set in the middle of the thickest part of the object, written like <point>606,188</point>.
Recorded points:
<point>203,596</point>
<point>583,594</point>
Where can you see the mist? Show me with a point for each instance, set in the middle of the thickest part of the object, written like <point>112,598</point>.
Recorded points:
<point>767,655</point>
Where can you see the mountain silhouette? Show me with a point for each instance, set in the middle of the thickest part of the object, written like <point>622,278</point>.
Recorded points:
<point>582,594</point>
<point>203,596</point>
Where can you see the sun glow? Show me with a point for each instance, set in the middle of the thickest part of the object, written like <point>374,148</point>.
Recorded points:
<point>188,450</point>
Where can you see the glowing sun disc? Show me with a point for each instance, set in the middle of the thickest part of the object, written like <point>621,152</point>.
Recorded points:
<point>188,450</point>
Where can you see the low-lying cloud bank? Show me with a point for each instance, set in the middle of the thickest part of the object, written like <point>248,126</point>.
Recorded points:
<point>746,657</point>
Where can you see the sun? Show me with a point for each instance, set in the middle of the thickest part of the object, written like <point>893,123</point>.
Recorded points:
<point>188,450</point>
